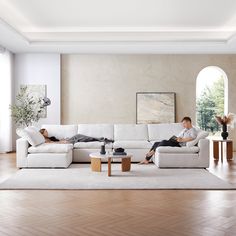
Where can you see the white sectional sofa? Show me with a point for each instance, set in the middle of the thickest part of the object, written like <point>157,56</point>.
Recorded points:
<point>136,139</point>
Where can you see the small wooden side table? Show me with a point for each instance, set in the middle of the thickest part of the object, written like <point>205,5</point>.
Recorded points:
<point>218,144</point>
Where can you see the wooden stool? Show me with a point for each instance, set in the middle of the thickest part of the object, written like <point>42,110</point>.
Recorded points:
<point>218,144</point>
<point>125,164</point>
<point>96,164</point>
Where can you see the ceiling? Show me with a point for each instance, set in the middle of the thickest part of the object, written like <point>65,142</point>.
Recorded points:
<point>124,26</point>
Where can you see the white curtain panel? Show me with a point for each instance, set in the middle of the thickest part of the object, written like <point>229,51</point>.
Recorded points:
<point>6,64</point>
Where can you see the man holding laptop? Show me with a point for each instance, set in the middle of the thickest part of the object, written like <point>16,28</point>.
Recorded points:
<point>188,134</point>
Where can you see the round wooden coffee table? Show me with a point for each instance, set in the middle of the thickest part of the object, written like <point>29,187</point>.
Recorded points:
<point>96,161</point>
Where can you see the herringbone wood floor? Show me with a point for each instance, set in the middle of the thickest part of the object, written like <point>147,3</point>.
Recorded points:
<point>118,212</point>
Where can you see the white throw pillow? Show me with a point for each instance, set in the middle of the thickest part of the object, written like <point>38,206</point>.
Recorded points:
<point>32,135</point>
<point>201,135</point>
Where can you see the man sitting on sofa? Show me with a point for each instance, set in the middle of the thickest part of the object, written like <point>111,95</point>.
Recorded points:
<point>188,134</point>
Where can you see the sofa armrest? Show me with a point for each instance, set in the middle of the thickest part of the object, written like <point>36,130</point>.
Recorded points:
<point>21,152</point>
<point>204,153</point>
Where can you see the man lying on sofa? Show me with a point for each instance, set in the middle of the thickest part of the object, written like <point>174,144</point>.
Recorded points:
<point>76,138</point>
<point>188,134</point>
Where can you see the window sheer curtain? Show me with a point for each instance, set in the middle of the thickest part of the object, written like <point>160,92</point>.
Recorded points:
<point>6,64</point>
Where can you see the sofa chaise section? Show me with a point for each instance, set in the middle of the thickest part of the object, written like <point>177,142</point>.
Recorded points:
<point>184,157</point>
<point>178,157</point>
<point>45,155</point>
<point>48,155</point>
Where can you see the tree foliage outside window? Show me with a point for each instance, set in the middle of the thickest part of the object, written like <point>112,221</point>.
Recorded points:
<point>209,104</point>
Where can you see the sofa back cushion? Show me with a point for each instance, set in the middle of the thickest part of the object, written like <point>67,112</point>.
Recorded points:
<point>61,131</point>
<point>97,130</point>
<point>158,132</point>
<point>130,132</point>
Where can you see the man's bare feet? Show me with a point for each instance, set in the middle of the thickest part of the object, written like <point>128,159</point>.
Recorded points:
<point>144,162</point>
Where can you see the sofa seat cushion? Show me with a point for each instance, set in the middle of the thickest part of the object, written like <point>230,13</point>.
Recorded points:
<point>132,144</point>
<point>91,145</point>
<point>178,149</point>
<point>51,148</point>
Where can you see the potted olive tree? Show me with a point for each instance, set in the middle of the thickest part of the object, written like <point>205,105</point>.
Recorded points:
<point>27,109</point>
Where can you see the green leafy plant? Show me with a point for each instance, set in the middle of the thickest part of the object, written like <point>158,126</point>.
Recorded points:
<point>27,108</point>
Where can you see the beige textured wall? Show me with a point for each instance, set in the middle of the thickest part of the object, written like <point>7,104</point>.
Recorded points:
<point>102,88</point>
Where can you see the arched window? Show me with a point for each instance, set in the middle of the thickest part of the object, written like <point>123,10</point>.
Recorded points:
<point>211,97</point>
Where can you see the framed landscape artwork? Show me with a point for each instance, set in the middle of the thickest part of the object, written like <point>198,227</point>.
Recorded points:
<point>155,107</point>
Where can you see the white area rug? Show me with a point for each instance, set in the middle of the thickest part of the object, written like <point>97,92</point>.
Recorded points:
<point>80,176</point>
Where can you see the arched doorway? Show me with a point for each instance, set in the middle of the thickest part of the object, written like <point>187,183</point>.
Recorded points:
<point>211,97</point>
